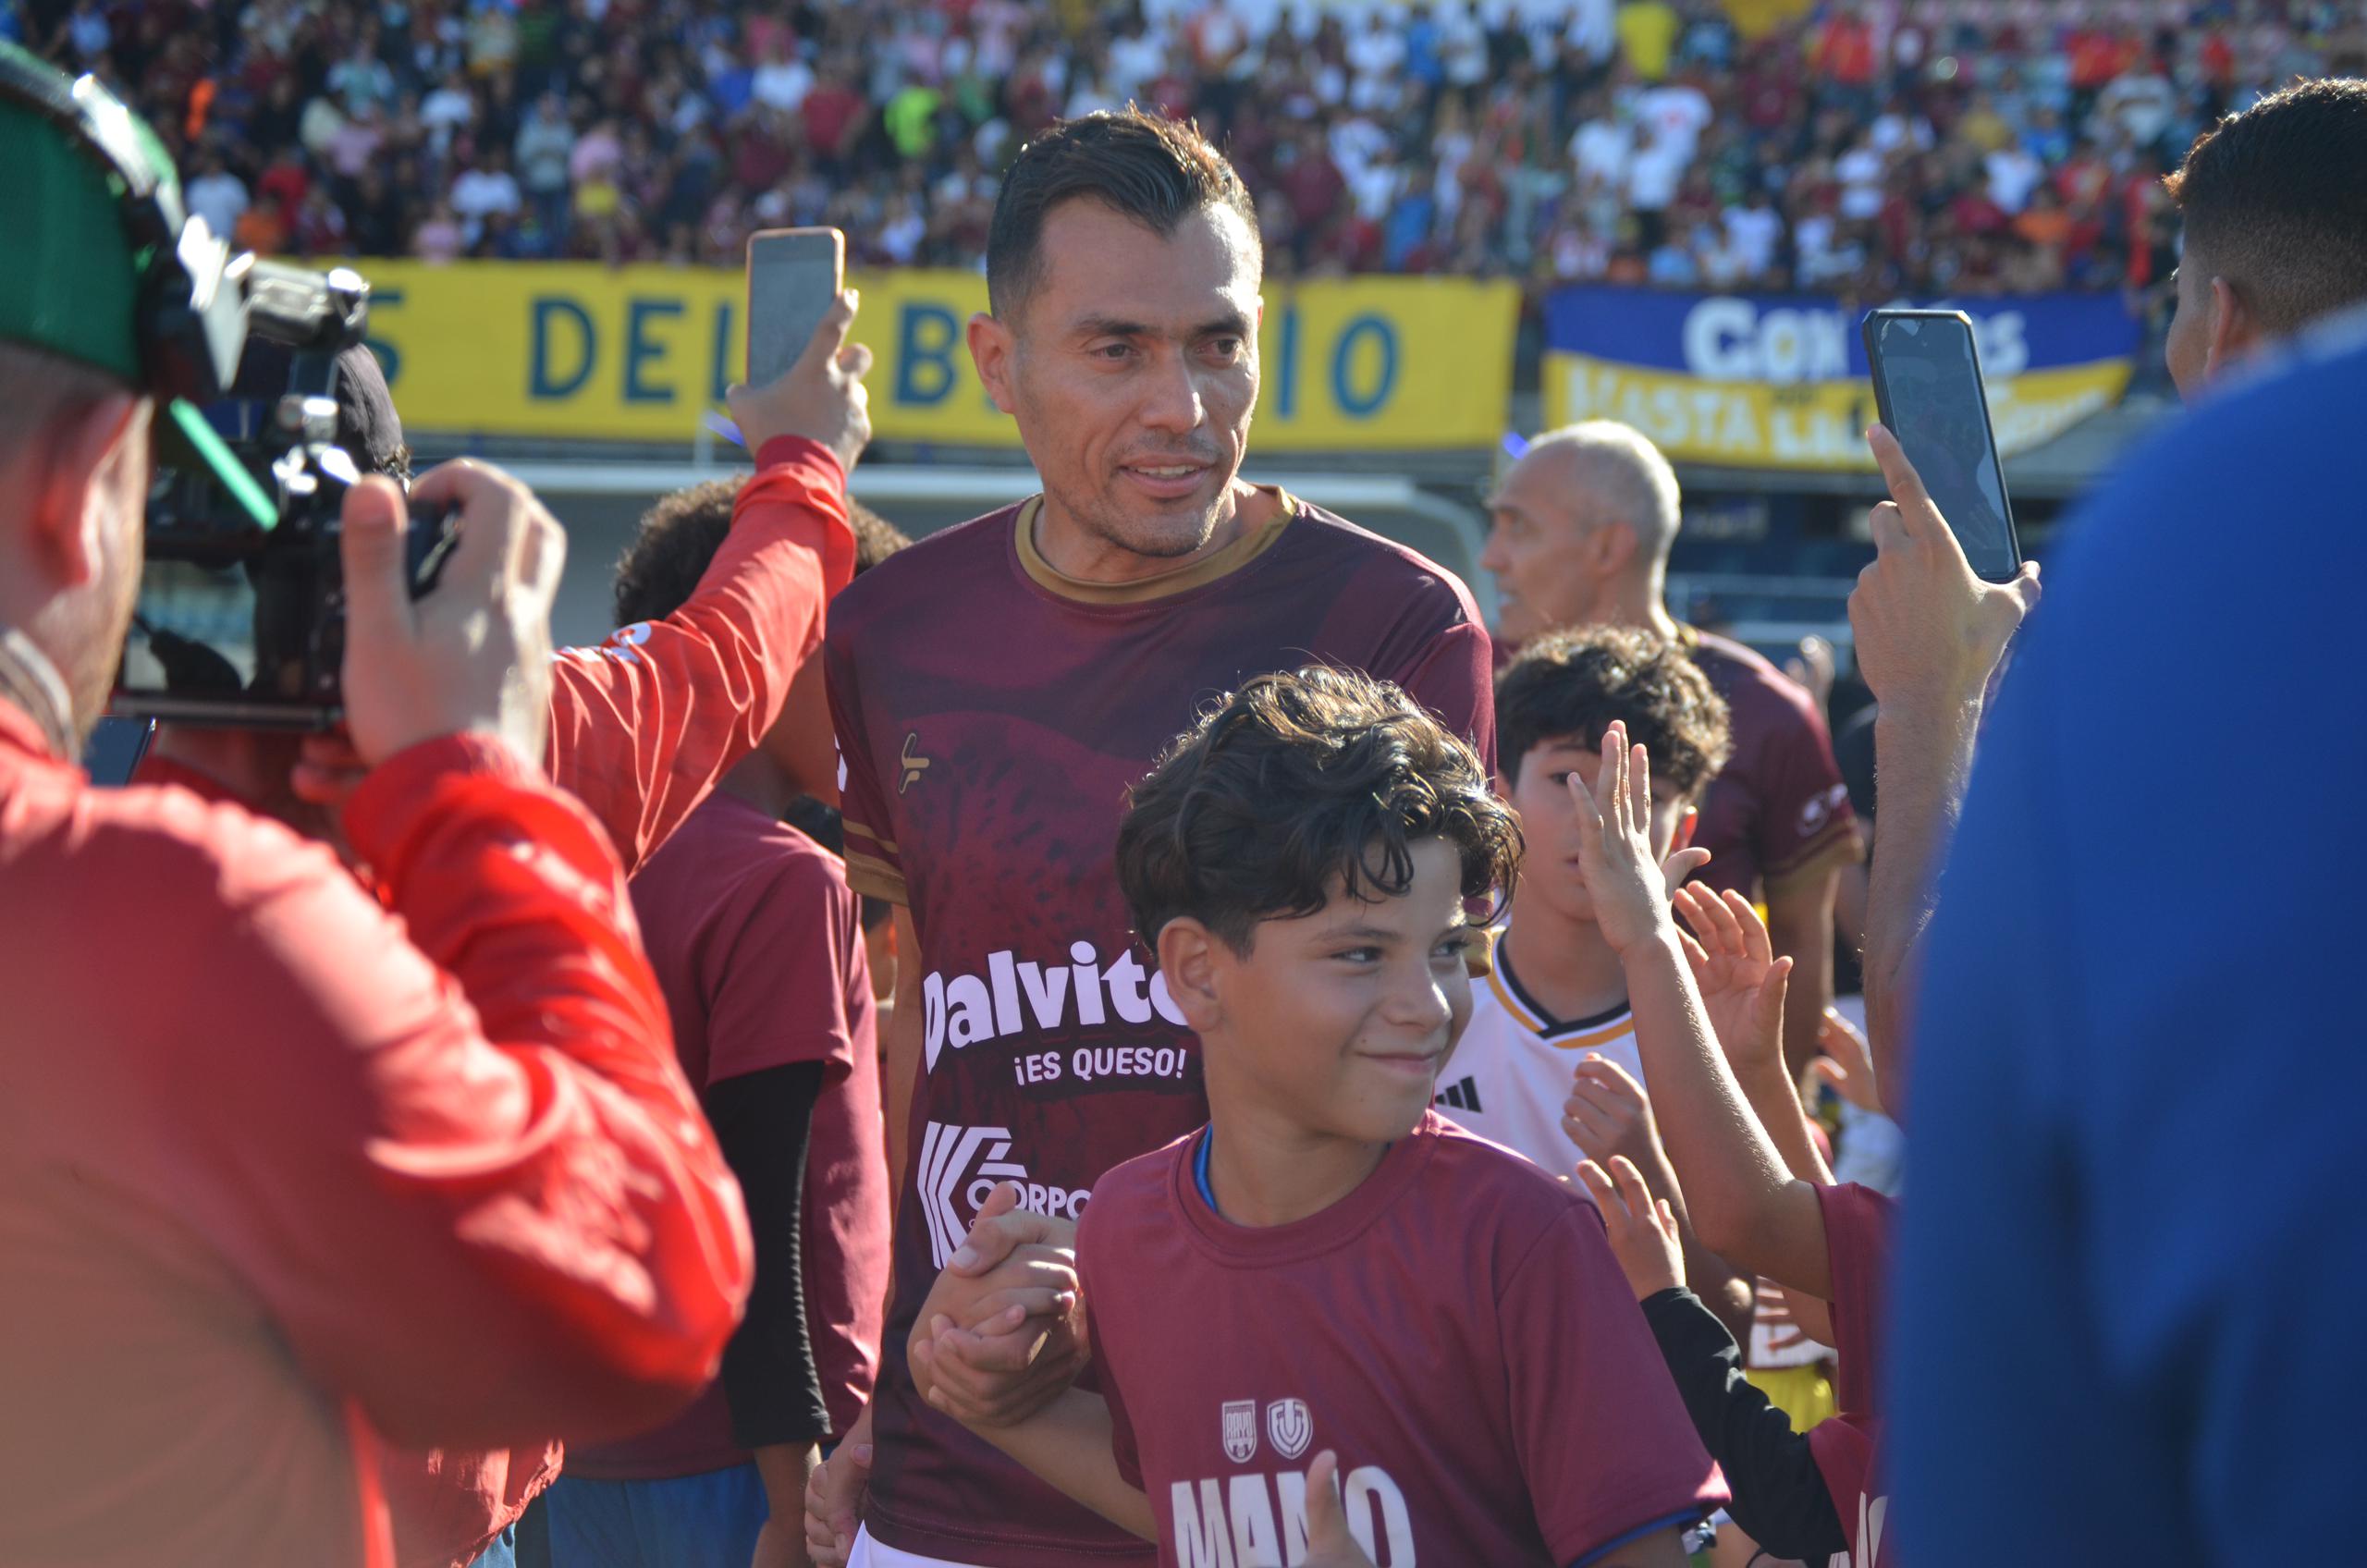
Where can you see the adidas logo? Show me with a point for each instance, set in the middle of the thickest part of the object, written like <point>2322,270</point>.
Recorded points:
<point>1461,1096</point>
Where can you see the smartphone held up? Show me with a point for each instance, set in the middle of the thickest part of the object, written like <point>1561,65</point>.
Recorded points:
<point>1927,384</point>
<point>794,276</point>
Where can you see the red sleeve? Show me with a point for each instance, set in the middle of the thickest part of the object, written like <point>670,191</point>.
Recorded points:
<point>1599,1430</point>
<point>1454,678</point>
<point>874,866</point>
<point>1856,1241</point>
<point>777,991</point>
<point>643,725</point>
<point>448,1148</point>
<point>1806,826</point>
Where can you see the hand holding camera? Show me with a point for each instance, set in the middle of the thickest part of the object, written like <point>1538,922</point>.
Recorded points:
<point>475,655</point>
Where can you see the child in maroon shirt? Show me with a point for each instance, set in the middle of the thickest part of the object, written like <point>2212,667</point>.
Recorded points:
<point>1328,1266</point>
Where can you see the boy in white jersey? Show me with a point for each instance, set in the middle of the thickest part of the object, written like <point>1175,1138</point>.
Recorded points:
<point>1549,1065</point>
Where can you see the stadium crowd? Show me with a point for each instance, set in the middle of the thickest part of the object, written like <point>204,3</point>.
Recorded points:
<point>478,1122</point>
<point>1865,146</point>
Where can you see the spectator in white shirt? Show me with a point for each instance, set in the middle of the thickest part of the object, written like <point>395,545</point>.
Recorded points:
<point>1653,175</point>
<point>1675,111</point>
<point>216,195</point>
<point>1603,147</point>
<point>1859,170</point>
<point>446,111</point>
<point>2013,174</point>
<point>487,187</point>
<point>1755,230</point>
<point>782,81</point>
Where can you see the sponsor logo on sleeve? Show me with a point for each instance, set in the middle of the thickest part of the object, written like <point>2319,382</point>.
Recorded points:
<point>1817,809</point>
<point>960,1166</point>
<point>624,644</point>
<point>914,763</point>
<point>1240,1429</point>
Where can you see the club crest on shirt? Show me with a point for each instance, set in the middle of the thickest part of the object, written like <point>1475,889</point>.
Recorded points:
<point>1289,1427</point>
<point>1240,1429</point>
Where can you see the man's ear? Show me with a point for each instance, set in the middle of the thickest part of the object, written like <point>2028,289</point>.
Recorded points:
<point>1612,548</point>
<point>2234,330</point>
<point>991,350</point>
<point>71,512</point>
<point>1682,838</point>
<point>1188,956</point>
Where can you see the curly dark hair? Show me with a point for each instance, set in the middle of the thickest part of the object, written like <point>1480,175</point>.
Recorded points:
<point>1571,686</point>
<point>678,536</point>
<point>1297,785</point>
<point>2276,199</point>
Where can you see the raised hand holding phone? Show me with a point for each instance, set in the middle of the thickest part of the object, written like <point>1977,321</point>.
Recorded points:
<point>1928,630</point>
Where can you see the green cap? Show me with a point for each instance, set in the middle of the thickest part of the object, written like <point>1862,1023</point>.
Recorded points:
<point>70,268</point>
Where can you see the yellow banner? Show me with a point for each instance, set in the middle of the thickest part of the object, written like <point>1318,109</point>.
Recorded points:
<point>644,352</point>
<point>1803,425</point>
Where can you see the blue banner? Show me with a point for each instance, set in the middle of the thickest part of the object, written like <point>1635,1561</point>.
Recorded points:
<point>1779,380</point>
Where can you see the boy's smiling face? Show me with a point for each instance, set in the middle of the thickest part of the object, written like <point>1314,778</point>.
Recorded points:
<point>1548,822</point>
<point>1337,1022</point>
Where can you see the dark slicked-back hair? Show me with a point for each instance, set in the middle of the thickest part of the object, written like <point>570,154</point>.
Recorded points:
<point>2276,201</point>
<point>1294,787</point>
<point>1572,685</point>
<point>678,536</point>
<point>1145,166</point>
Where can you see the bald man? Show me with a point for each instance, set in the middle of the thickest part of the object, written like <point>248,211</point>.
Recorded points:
<point>1582,528</point>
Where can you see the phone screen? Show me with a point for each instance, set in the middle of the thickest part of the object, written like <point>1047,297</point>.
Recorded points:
<point>1927,382</point>
<point>793,276</point>
<point>114,748</point>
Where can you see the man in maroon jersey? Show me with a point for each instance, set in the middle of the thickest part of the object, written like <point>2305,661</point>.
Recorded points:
<point>1582,528</point>
<point>997,690</point>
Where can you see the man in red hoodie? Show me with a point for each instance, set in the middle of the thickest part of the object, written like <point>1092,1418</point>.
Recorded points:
<point>641,729</point>
<point>284,1167</point>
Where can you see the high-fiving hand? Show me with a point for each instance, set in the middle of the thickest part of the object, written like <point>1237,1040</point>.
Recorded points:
<point>1629,891</point>
<point>1645,1235</point>
<point>1741,979</point>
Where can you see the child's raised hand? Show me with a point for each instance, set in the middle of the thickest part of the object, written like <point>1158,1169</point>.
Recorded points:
<point>1607,1113</point>
<point>1329,1543</point>
<point>1742,981</point>
<point>1629,892</point>
<point>1644,1234</point>
<point>1847,1064</point>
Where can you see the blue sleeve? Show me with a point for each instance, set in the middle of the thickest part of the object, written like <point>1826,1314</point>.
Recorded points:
<point>2128,1288</point>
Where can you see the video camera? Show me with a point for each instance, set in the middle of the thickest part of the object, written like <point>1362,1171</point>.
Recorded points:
<point>240,619</point>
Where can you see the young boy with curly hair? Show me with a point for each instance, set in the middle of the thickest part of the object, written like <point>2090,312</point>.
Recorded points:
<point>1329,1265</point>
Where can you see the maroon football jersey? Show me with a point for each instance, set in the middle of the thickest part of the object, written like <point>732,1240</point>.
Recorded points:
<point>1778,810</point>
<point>991,717</point>
<point>1456,1329</point>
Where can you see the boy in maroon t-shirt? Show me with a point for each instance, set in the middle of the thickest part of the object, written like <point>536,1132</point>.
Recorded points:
<point>1327,1265</point>
<point>756,941</point>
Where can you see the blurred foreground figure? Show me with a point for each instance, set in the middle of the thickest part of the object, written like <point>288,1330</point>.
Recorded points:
<point>2135,1097</point>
